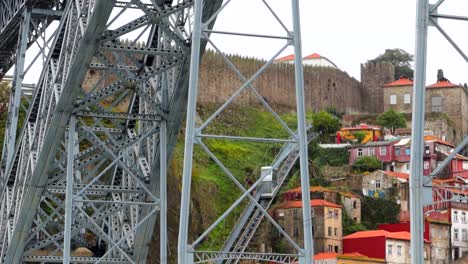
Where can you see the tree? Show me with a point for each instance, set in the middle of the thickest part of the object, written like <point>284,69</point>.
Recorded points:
<point>367,163</point>
<point>377,211</point>
<point>359,135</point>
<point>391,120</point>
<point>325,123</point>
<point>400,59</point>
<point>4,96</point>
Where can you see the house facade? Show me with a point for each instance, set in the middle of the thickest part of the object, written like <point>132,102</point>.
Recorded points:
<point>387,184</point>
<point>351,202</point>
<point>382,150</point>
<point>459,230</point>
<point>394,247</point>
<point>327,223</point>
<point>441,97</point>
<point>348,134</point>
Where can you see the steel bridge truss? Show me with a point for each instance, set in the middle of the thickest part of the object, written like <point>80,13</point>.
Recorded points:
<point>89,167</point>
<point>427,15</point>
<point>196,135</point>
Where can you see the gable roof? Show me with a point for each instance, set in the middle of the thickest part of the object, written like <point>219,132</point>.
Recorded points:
<point>289,57</point>
<point>314,202</point>
<point>403,81</point>
<point>437,140</point>
<point>359,256</point>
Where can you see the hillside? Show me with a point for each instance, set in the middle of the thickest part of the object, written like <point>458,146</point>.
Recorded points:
<point>212,192</point>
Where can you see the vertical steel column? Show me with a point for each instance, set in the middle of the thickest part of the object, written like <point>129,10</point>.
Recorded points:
<point>15,101</point>
<point>183,253</point>
<point>69,189</point>
<point>163,176</point>
<point>417,136</point>
<point>302,133</point>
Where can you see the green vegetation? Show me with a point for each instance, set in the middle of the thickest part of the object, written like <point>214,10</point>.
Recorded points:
<point>375,211</point>
<point>367,164</point>
<point>331,157</point>
<point>398,58</point>
<point>391,120</point>
<point>326,124</point>
<point>359,135</point>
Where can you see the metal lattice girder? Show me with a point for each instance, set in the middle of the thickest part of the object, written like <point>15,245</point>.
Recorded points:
<point>209,257</point>
<point>11,12</point>
<point>188,252</point>
<point>106,172</point>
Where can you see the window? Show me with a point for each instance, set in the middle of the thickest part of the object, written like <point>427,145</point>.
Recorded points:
<point>337,249</point>
<point>436,103</point>
<point>336,214</point>
<point>329,231</point>
<point>336,231</point>
<point>296,231</point>
<point>378,184</point>
<point>296,214</point>
<point>455,216</point>
<point>408,151</point>
<point>407,166</point>
<point>463,218</point>
<point>427,150</point>
<point>426,165</point>
<point>393,100</point>
<point>281,214</point>
<point>371,152</point>
<point>330,248</point>
<point>354,204</point>
<point>464,235</point>
<point>383,151</point>
<point>397,151</point>
<point>407,99</point>
<point>359,152</point>
<point>330,213</point>
<point>465,165</point>
<point>455,234</point>
<point>389,249</point>
<point>398,250</point>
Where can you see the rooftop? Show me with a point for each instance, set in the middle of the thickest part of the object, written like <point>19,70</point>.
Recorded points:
<point>325,255</point>
<point>403,81</point>
<point>399,175</point>
<point>314,202</point>
<point>359,256</point>
<point>443,84</point>
<point>362,127</point>
<point>403,235</point>
<point>322,189</point>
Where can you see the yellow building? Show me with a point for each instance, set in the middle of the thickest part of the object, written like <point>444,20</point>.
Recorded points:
<point>371,133</point>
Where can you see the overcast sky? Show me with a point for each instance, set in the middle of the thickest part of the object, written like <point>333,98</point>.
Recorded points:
<point>346,32</point>
<point>352,32</point>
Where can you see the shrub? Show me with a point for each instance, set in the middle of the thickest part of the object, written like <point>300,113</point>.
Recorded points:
<point>367,163</point>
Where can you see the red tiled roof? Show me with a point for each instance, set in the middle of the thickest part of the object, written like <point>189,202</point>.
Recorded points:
<point>400,175</point>
<point>286,58</point>
<point>365,234</point>
<point>359,256</point>
<point>403,81</point>
<point>438,140</point>
<point>313,56</point>
<point>438,217</point>
<point>404,235</point>
<point>322,189</point>
<point>314,202</point>
<point>325,255</point>
<point>442,84</point>
<point>361,127</point>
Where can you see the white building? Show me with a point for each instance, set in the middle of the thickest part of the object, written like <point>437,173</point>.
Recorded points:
<point>315,60</point>
<point>459,230</point>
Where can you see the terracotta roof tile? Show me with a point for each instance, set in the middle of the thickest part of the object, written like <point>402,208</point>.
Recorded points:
<point>286,58</point>
<point>359,256</point>
<point>403,81</point>
<point>365,234</point>
<point>313,56</point>
<point>314,202</point>
<point>322,189</point>
<point>442,84</point>
<point>438,140</point>
<point>400,175</point>
<point>404,235</point>
<point>325,255</point>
